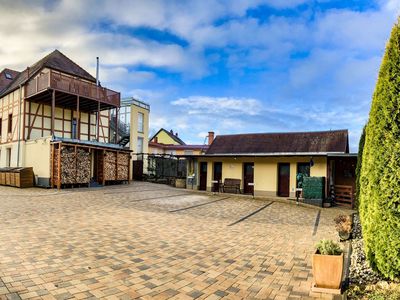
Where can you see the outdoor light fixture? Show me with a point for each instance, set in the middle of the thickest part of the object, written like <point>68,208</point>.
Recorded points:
<point>311,162</point>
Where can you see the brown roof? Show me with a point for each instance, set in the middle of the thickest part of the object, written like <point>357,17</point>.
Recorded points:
<point>335,141</point>
<point>178,147</point>
<point>56,61</point>
<point>7,76</point>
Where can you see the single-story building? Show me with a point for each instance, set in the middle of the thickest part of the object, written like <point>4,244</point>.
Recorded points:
<point>268,164</point>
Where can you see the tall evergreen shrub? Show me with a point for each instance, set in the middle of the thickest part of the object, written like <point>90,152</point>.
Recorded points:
<point>380,171</point>
<point>358,167</point>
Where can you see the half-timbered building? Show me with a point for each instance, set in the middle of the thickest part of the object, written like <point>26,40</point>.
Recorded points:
<point>55,118</point>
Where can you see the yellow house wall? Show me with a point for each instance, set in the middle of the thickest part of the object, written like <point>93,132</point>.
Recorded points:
<point>37,155</point>
<point>265,171</point>
<point>135,134</point>
<point>164,138</point>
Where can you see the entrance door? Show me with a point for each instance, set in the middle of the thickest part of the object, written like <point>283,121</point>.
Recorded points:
<point>137,169</point>
<point>217,175</point>
<point>248,177</point>
<point>283,179</point>
<point>203,176</point>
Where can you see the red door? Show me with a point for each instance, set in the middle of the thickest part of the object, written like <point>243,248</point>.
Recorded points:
<point>283,179</point>
<point>248,178</point>
<point>203,176</point>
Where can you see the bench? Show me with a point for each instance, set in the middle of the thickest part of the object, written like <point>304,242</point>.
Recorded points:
<point>231,184</point>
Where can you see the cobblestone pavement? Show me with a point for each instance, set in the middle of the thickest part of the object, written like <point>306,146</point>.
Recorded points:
<point>146,241</point>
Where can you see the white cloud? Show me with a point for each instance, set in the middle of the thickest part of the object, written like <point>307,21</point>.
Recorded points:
<point>227,106</point>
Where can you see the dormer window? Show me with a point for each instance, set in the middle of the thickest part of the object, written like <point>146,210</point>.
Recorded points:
<point>8,75</point>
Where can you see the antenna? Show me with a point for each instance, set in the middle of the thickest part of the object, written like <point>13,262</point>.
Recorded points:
<point>97,70</point>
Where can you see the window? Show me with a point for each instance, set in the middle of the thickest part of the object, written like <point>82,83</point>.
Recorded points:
<point>9,123</point>
<point>139,148</point>
<point>140,122</point>
<point>303,170</point>
<point>8,158</point>
<point>8,75</point>
<point>188,152</point>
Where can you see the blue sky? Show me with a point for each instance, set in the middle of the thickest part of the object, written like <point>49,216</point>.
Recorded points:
<point>227,66</point>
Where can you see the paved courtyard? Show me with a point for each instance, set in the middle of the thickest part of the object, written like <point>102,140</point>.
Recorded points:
<point>148,241</point>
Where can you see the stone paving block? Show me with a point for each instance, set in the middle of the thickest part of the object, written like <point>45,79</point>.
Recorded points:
<point>93,243</point>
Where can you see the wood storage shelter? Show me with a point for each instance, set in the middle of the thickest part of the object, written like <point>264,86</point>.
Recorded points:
<point>88,163</point>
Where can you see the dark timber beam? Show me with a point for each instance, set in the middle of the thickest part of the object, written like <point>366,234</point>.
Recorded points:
<point>53,110</point>
<point>78,119</point>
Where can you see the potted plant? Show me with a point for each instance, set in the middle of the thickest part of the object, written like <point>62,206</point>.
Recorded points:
<point>343,225</point>
<point>327,264</point>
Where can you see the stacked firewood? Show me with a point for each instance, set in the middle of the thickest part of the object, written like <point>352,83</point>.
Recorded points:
<point>74,168</point>
<point>110,165</point>
<point>68,168</point>
<point>83,165</point>
<point>123,166</point>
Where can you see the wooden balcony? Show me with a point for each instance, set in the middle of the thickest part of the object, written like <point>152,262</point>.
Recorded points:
<point>64,84</point>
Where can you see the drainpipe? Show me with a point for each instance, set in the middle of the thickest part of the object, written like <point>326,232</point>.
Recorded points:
<point>19,123</point>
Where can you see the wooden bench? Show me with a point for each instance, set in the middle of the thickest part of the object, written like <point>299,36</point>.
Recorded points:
<point>231,184</point>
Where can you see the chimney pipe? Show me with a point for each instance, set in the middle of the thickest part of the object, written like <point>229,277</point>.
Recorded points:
<point>210,137</point>
<point>97,70</point>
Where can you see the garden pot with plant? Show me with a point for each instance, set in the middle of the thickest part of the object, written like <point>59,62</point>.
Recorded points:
<point>327,265</point>
<point>343,225</point>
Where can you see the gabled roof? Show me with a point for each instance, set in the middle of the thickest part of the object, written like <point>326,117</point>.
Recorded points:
<point>171,135</point>
<point>179,147</point>
<point>56,61</point>
<point>290,143</point>
<point>7,76</point>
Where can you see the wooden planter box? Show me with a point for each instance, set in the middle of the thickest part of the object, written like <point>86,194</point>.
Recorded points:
<point>327,271</point>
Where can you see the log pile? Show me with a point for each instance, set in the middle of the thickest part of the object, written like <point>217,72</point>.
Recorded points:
<point>123,166</point>
<point>74,168</point>
<point>83,165</point>
<point>68,167</point>
<point>110,168</point>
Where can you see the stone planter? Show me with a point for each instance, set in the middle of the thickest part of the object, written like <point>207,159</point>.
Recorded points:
<point>180,183</point>
<point>327,270</point>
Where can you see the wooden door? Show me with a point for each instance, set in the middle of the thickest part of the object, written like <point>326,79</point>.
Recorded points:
<point>203,176</point>
<point>248,178</point>
<point>283,179</point>
<point>137,169</point>
<point>217,175</point>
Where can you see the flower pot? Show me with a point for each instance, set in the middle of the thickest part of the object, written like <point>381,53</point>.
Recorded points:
<point>327,270</point>
<point>344,235</point>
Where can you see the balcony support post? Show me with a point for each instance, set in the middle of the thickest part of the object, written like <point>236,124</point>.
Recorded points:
<point>53,110</point>
<point>98,122</point>
<point>117,124</point>
<point>78,119</point>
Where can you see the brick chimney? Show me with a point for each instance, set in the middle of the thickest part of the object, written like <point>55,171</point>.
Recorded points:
<point>155,139</point>
<point>210,137</point>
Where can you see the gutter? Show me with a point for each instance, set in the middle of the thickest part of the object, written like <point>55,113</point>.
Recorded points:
<point>273,154</point>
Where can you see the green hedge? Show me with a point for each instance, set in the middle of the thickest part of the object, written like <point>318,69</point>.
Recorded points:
<point>380,171</point>
<point>358,167</point>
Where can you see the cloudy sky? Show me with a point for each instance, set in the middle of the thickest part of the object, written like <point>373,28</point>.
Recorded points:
<point>231,66</point>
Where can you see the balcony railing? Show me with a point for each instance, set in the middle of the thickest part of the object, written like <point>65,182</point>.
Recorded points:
<point>71,85</point>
